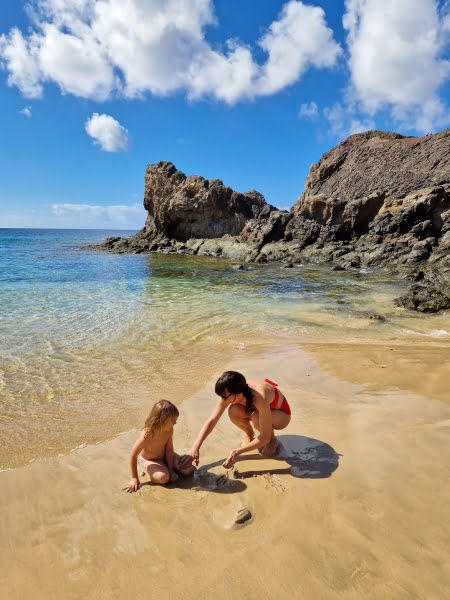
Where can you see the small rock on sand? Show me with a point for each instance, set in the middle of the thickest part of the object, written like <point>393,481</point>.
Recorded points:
<point>243,516</point>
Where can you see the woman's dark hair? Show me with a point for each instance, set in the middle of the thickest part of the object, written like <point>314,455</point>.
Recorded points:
<point>235,383</point>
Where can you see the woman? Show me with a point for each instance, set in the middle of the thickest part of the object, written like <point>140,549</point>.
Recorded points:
<point>252,404</point>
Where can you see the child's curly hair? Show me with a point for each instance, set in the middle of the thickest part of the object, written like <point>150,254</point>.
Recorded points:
<point>160,413</point>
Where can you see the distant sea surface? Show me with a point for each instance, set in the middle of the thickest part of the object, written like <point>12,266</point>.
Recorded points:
<point>88,340</point>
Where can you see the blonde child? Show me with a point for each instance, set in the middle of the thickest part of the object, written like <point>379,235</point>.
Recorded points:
<point>153,451</point>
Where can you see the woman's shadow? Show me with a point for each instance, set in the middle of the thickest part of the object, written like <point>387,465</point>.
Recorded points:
<point>307,458</point>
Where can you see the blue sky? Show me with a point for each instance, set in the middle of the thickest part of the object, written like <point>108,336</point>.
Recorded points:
<point>248,91</point>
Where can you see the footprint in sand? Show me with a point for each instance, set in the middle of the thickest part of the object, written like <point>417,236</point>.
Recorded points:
<point>275,482</point>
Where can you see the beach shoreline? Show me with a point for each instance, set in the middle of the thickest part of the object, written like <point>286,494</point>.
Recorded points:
<point>354,507</point>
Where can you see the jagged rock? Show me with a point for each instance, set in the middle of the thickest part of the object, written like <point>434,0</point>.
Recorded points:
<point>378,199</point>
<point>378,162</point>
<point>424,298</point>
<point>182,208</point>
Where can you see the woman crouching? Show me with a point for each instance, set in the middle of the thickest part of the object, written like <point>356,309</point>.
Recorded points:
<point>251,405</point>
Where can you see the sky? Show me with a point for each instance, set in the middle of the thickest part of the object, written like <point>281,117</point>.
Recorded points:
<point>251,92</point>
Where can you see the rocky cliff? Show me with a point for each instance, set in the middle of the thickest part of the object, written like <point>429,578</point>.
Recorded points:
<point>378,199</point>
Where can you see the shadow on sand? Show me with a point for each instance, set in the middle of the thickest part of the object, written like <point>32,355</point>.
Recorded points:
<point>203,480</point>
<point>307,458</point>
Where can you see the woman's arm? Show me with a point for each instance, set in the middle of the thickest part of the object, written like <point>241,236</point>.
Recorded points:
<point>194,453</point>
<point>169,456</point>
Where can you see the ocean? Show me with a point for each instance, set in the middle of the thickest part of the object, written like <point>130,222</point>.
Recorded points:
<point>88,339</point>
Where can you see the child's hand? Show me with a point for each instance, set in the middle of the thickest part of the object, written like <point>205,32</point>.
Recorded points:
<point>134,485</point>
<point>173,476</point>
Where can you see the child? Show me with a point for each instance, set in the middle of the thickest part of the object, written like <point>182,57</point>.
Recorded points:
<point>153,450</point>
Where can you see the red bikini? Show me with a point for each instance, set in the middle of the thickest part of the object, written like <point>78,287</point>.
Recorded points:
<point>273,405</point>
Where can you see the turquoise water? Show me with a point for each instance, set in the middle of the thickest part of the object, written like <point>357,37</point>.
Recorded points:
<point>87,338</point>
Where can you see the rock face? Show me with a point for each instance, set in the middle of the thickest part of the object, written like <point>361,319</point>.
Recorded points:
<point>182,208</point>
<point>386,194</point>
<point>378,199</point>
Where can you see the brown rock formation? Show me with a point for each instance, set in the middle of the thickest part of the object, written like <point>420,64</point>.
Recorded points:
<point>182,208</point>
<point>377,199</point>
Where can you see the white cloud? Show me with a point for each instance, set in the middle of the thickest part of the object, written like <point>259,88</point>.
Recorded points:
<point>107,133</point>
<point>97,48</point>
<point>343,120</point>
<point>74,216</point>
<point>310,110</point>
<point>20,57</point>
<point>298,40</point>
<point>26,111</point>
<point>396,59</point>
<point>104,215</point>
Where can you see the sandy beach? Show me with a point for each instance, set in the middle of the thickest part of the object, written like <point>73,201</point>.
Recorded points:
<point>355,507</point>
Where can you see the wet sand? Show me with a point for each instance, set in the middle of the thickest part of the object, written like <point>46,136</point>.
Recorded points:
<point>356,506</point>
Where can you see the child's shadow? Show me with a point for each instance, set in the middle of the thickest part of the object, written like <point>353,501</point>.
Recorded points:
<point>203,480</point>
<point>308,459</point>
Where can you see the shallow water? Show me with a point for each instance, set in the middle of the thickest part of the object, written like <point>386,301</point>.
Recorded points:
<point>88,339</point>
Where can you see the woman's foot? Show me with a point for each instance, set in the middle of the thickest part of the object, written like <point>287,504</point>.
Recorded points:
<point>271,448</point>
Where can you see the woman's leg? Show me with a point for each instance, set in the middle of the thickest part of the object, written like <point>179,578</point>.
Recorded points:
<point>280,420</point>
<point>241,419</point>
<point>158,472</point>
<point>185,471</point>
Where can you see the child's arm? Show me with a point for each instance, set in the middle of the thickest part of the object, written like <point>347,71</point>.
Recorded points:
<point>169,456</point>
<point>135,451</point>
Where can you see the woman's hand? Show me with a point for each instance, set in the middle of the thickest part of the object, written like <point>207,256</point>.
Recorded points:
<point>173,476</point>
<point>134,485</point>
<point>232,457</point>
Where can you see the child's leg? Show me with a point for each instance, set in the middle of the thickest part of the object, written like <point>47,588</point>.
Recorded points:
<point>157,471</point>
<point>185,471</point>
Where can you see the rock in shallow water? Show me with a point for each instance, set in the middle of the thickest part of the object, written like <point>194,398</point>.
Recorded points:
<point>424,298</point>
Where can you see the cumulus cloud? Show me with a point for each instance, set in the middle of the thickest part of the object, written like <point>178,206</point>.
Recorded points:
<point>108,133</point>
<point>19,55</point>
<point>396,59</point>
<point>343,120</point>
<point>309,110</point>
<point>118,214</point>
<point>26,111</point>
<point>298,40</point>
<point>97,48</point>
